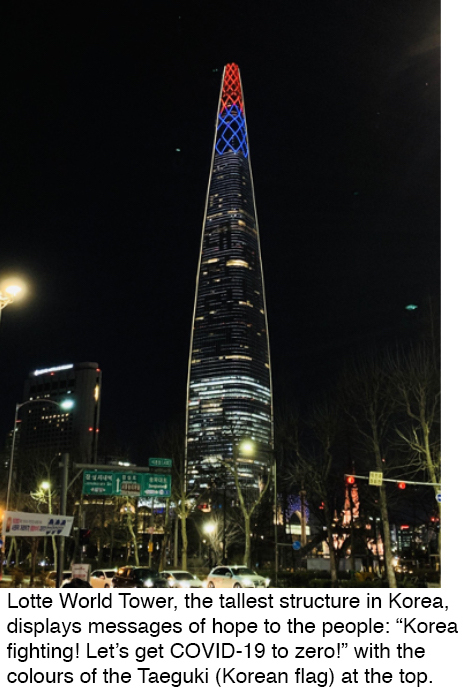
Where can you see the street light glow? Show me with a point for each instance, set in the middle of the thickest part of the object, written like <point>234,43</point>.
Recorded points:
<point>12,286</point>
<point>247,446</point>
<point>209,528</point>
<point>45,485</point>
<point>67,404</point>
<point>13,289</point>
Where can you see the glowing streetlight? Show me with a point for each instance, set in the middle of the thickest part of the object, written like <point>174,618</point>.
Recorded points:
<point>209,528</point>
<point>10,290</point>
<point>247,446</point>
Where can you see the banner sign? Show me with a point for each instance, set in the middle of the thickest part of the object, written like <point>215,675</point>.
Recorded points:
<point>19,524</point>
<point>81,570</point>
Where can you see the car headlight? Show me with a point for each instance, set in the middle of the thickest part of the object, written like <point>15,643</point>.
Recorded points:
<point>247,582</point>
<point>148,583</point>
<point>171,582</point>
<point>267,582</point>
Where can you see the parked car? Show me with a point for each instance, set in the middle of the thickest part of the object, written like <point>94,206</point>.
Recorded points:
<point>138,576</point>
<point>50,579</point>
<point>102,578</point>
<point>181,578</point>
<point>235,576</point>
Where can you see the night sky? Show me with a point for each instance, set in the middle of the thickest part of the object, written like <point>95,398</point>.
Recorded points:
<point>102,215</point>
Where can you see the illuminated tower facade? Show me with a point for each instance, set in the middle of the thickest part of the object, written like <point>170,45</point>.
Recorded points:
<point>229,379</point>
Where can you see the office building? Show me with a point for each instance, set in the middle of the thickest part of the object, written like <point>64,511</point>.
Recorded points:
<point>48,430</point>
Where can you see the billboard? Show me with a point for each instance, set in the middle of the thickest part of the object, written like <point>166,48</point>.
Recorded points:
<point>19,524</point>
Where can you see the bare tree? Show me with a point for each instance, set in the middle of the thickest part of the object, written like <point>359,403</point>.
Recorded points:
<point>171,443</point>
<point>369,406</point>
<point>248,502</point>
<point>131,518</point>
<point>220,527</point>
<point>415,386</point>
<point>313,470</point>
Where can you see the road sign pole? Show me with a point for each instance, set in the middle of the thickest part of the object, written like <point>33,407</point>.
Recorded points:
<point>62,510</point>
<point>150,554</point>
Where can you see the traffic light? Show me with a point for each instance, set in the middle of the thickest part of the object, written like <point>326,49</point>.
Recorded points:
<point>350,480</point>
<point>84,537</point>
<point>401,485</point>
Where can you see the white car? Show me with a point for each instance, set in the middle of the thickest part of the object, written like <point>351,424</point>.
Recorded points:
<point>180,578</point>
<point>235,576</point>
<point>102,578</point>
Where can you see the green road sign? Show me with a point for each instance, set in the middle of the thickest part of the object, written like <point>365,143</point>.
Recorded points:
<point>127,484</point>
<point>98,483</point>
<point>159,462</point>
<point>157,485</point>
<point>133,484</point>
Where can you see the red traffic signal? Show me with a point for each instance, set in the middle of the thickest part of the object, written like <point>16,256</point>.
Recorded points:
<point>350,480</point>
<point>401,485</point>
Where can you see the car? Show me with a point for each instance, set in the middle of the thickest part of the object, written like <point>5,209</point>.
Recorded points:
<point>50,579</point>
<point>180,578</point>
<point>138,576</point>
<point>235,576</point>
<point>102,578</point>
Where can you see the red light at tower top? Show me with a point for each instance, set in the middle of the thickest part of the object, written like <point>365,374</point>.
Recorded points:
<point>350,480</point>
<point>401,485</point>
<point>231,92</point>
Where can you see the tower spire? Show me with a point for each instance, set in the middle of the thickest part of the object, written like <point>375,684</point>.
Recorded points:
<point>231,121</point>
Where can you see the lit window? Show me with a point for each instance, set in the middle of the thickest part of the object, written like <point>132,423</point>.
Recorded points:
<point>237,263</point>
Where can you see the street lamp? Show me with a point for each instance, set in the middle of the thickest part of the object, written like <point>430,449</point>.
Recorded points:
<point>44,495</point>
<point>10,290</point>
<point>66,405</point>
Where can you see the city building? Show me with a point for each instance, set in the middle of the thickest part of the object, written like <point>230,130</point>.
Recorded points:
<point>229,394</point>
<point>47,430</point>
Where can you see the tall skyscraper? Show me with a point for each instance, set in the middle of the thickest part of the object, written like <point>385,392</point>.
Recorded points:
<point>229,378</point>
<point>45,430</point>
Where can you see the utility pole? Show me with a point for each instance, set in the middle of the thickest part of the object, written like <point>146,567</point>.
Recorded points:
<point>62,510</point>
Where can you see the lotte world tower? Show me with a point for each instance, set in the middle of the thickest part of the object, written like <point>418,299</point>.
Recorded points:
<point>229,395</point>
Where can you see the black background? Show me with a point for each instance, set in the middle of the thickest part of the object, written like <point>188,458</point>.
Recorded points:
<point>102,215</point>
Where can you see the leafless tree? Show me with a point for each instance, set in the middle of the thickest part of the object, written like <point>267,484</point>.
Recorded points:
<point>312,469</point>
<point>215,537</point>
<point>170,443</point>
<point>415,387</point>
<point>368,405</point>
<point>248,502</point>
